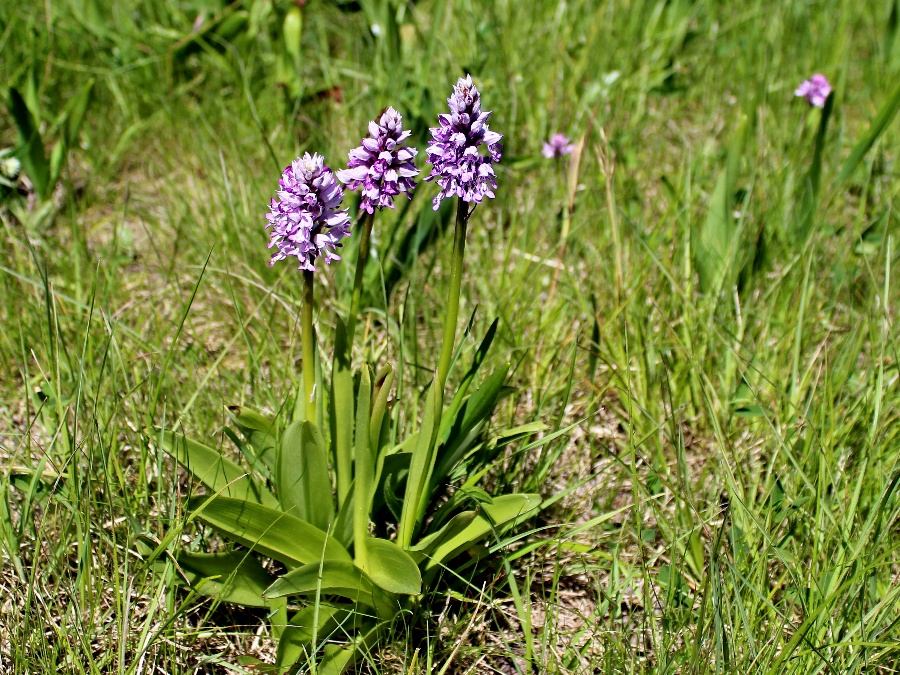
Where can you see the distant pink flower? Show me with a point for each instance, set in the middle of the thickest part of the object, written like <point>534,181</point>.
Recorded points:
<point>557,146</point>
<point>815,90</point>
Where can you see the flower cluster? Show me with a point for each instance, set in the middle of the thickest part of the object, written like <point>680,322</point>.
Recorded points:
<point>382,167</point>
<point>815,90</point>
<point>459,166</point>
<point>305,219</point>
<point>557,146</point>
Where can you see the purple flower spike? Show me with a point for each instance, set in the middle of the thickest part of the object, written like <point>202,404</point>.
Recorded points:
<point>815,90</point>
<point>458,165</point>
<point>382,167</point>
<point>557,146</point>
<point>305,215</point>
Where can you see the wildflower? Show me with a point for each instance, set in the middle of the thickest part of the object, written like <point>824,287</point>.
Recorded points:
<point>459,166</point>
<point>306,220</point>
<point>557,146</point>
<point>382,166</point>
<point>815,90</point>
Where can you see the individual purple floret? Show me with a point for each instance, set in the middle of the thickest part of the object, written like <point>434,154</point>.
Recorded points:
<point>382,166</point>
<point>458,165</point>
<point>305,215</point>
<point>815,90</point>
<point>557,146</point>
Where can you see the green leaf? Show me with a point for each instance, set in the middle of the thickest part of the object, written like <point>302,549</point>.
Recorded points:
<point>329,577</point>
<point>519,432</point>
<point>259,429</point>
<point>459,398</point>
<point>503,512</point>
<point>75,112</point>
<point>313,621</point>
<point>293,29</point>
<point>31,151</point>
<point>343,521</point>
<point>235,576</point>
<point>472,416</point>
<point>363,474</point>
<point>420,468</point>
<point>713,243</point>
<point>390,478</point>
<point>304,486</point>
<point>213,470</point>
<point>342,409</point>
<point>71,120</point>
<point>269,531</point>
<point>874,236</point>
<point>336,659</point>
<point>456,525</point>
<point>248,419</point>
<point>744,403</point>
<point>878,126</point>
<point>57,160</point>
<point>810,196</point>
<point>379,408</point>
<point>391,568</point>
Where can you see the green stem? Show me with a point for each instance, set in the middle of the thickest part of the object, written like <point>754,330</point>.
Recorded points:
<point>452,310</point>
<point>423,458</point>
<point>309,348</point>
<point>362,484</point>
<point>361,259</point>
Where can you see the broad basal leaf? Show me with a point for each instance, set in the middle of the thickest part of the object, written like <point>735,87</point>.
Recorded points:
<point>391,568</point>
<point>31,152</point>
<point>235,576</point>
<point>330,577</point>
<point>304,486</point>
<point>259,429</point>
<point>217,473</point>
<point>269,531</point>
<point>501,513</point>
<point>318,620</point>
<point>426,546</point>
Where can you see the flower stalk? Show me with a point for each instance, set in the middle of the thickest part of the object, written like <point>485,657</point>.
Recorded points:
<point>451,312</point>
<point>361,259</point>
<point>309,347</point>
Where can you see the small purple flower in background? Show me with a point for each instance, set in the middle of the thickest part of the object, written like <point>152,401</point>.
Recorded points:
<point>306,219</point>
<point>557,146</point>
<point>382,166</point>
<point>458,165</point>
<point>815,90</point>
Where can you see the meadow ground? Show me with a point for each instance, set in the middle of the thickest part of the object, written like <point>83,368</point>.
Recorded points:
<point>703,301</point>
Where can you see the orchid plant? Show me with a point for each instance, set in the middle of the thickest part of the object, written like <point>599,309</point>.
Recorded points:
<point>334,528</point>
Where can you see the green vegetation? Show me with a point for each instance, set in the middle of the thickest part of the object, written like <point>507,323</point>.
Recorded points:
<point>698,306</point>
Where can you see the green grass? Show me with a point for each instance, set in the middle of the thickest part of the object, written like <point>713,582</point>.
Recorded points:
<point>729,490</point>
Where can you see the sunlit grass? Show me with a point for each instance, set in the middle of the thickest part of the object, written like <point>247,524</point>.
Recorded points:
<point>728,492</point>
